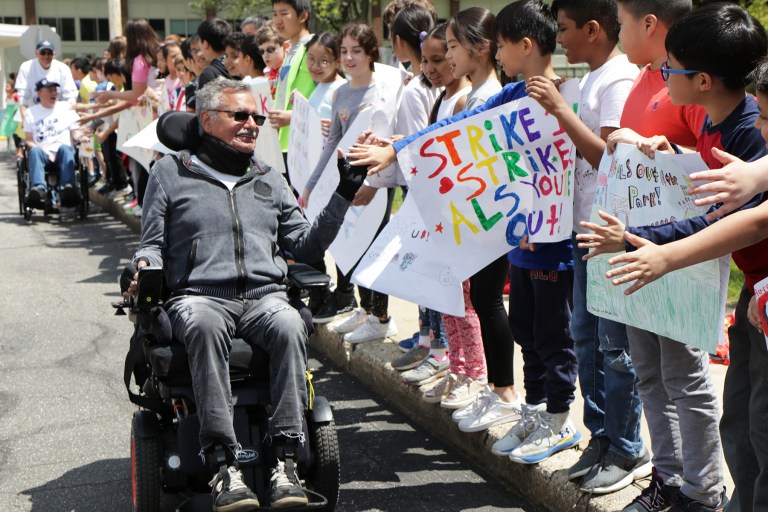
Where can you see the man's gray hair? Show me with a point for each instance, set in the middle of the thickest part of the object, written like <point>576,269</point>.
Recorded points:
<point>256,20</point>
<point>211,97</point>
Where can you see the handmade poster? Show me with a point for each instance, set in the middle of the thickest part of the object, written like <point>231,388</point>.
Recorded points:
<point>361,222</point>
<point>389,90</point>
<point>132,121</point>
<point>761,294</point>
<point>687,305</point>
<point>267,144</point>
<point>147,139</point>
<point>404,262</point>
<point>306,142</point>
<point>485,181</point>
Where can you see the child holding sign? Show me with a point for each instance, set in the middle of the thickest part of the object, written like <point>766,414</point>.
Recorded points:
<point>715,74</point>
<point>615,456</point>
<point>540,276</point>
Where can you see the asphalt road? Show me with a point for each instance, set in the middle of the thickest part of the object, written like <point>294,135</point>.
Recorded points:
<point>65,417</point>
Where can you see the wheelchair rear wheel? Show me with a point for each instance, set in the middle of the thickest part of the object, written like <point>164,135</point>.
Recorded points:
<point>146,461</point>
<point>325,476</point>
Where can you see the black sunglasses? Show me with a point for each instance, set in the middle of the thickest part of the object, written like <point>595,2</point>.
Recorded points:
<point>46,53</point>
<point>268,49</point>
<point>242,115</point>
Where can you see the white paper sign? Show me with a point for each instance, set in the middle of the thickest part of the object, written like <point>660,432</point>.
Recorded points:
<point>147,139</point>
<point>687,305</point>
<point>357,231</point>
<point>485,181</point>
<point>305,143</point>
<point>389,91</point>
<point>132,121</point>
<point>267,144</point>
<point>403,262</point>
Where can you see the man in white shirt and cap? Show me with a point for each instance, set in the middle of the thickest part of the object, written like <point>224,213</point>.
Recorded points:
<point>44,65</point>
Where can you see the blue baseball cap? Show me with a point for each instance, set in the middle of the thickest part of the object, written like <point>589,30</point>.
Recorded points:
<point>42,84</point>
<point>45,45</point>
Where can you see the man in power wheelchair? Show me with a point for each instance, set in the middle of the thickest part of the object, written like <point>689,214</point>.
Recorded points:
<point>47,170</point>
<point>217,220</point>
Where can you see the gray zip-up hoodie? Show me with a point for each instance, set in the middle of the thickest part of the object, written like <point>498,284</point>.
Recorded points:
<point>213,241</point>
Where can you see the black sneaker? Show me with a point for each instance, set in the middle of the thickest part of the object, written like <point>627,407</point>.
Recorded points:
<point>335,305</point>
<point>590,457</point>
<point>36,196</point>
<point>682,503</point>
<point>69,196</point>
<point>285,490</point>
<point>616,472</point>
<point>657,497</point>
<point>229,492</point>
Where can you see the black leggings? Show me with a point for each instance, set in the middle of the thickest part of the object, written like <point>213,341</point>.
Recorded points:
<point>486,289</point>
<point>373,302</point>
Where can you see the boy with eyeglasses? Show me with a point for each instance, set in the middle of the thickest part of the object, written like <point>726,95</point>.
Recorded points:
<point>679,399</point>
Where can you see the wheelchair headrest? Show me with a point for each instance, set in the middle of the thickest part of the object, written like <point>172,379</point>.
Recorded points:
<point>179,130</point>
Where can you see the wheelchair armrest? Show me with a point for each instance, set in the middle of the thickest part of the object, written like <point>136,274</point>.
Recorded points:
<point>303,276</point>
<point>149,288</point>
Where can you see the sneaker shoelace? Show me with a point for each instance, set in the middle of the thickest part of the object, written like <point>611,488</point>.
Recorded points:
<point>236,483</point>
<point>279,477</point>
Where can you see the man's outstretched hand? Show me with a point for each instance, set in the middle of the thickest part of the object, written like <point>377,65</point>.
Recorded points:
<point>350,178</point>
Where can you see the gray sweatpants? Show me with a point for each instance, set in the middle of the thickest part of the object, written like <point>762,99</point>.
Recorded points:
<point>681,409</point>
<point>206,325</point>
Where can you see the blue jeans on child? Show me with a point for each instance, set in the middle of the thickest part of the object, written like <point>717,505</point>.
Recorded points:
<point>607,378</point>
<point>38,158</point>
<point>431,324</point>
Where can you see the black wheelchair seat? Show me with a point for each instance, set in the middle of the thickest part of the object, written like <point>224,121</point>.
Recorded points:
<point>170,364</point>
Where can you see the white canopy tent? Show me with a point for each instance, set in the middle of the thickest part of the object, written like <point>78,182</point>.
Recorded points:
<point>10,36</point>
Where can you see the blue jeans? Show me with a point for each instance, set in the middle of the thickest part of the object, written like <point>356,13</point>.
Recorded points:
<point>65,159</point>
<point>430,320</point>
<point>607,378</point>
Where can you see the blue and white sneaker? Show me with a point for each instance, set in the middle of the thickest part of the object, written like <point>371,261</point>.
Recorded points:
<point>407,344</point>
<point>554,433</point>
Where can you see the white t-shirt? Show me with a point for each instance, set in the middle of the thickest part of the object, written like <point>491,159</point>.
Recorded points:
<point>50,127</point>
<point>448,105</point>
<point>480,95</point>
<point>415,106</point>
<point>31,72</point>
<point>603,94</point>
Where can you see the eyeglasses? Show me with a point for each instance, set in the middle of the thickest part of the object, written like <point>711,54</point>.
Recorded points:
<point>46,53</point>
<point>322,63</point>
<point>666,71</point>
<point>242,116</point>
<point>269,49</point>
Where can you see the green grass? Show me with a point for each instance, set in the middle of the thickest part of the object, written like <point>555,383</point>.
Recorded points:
<point>734,286</point>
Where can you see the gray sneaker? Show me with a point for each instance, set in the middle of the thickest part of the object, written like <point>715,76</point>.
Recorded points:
<point>426,372</point>
<point>410,359</point>
<point>616,472</point>
<point>590,457</point>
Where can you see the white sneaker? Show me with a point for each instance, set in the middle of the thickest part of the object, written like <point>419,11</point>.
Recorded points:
<point>351,323</point>
<point>371,330</point>
<point>439,391</point>
<point>554,432</point>
<point>495,412</point>
<point>520,431</point>
<point>137,212</point>
<point>117,194</point>
<point>463,394</point>
<point>474,406</point>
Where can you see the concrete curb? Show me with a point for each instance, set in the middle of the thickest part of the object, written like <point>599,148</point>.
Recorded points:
<point>115,208</point>
<point>545,484</point>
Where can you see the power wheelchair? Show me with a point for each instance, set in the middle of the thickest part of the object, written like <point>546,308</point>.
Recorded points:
<point>165,447</point>
<point>51,203</point>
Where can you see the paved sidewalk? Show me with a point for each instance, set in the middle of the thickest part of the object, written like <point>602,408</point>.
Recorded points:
<point>545,483</point>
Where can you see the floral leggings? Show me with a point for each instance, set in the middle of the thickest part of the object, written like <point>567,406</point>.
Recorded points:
<point>465,343</point>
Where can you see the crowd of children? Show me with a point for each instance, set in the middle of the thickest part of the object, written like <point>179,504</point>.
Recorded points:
<point>675,83</point>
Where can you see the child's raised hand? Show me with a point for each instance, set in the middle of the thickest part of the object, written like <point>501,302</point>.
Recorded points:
<point>653,144</point>
<point>643,266</point>
<point>733,185</point>
<point>545,92</point>
<point>604,239</point>
<point>377,158</point>
<point>622,135</point>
